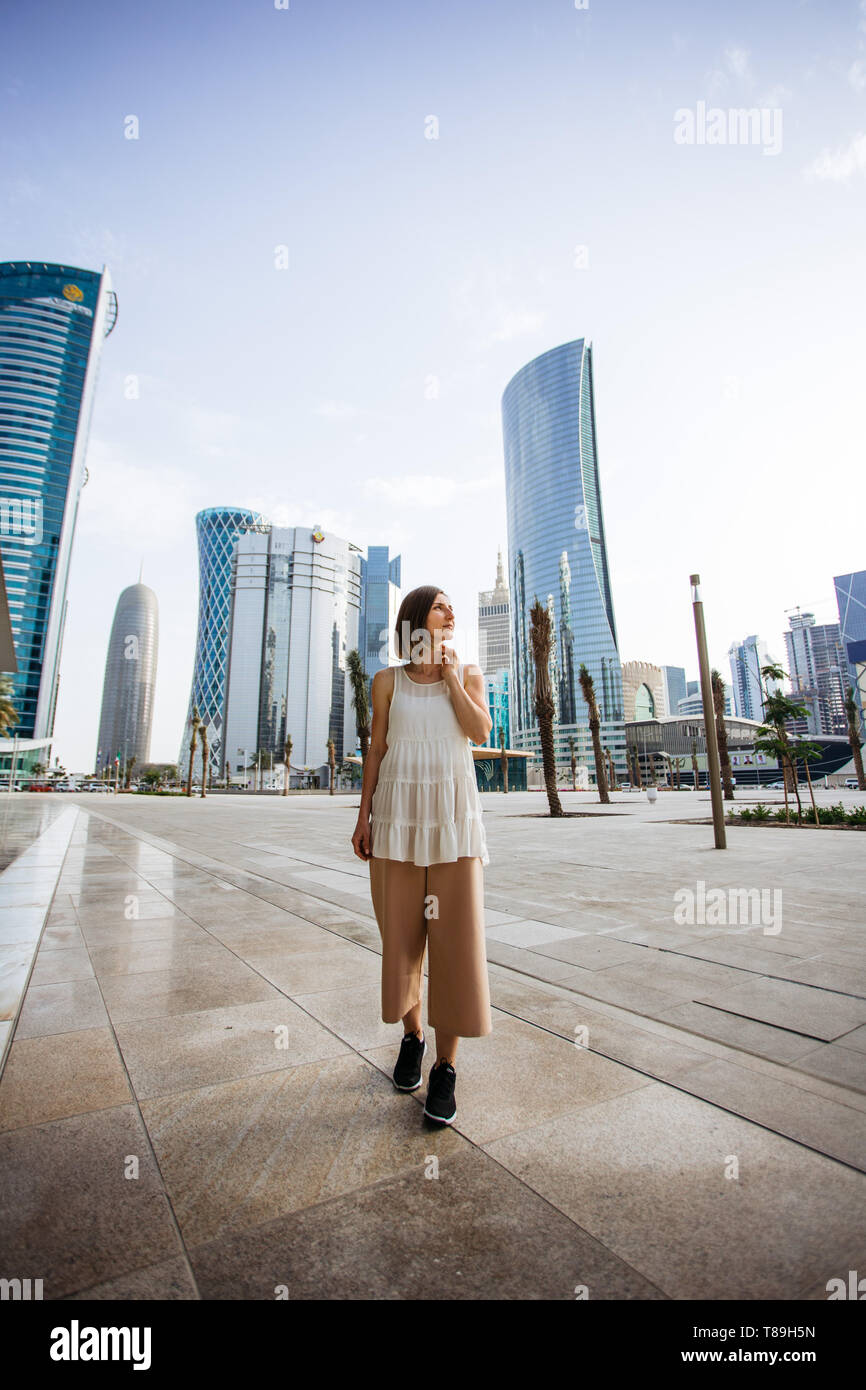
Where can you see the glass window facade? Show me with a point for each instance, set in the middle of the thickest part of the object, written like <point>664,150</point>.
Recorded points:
<point>53,319</point>
<point>558,552</point>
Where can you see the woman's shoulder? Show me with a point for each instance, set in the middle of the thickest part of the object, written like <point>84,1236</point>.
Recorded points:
<point>383,682</point>
<point>470,668</point>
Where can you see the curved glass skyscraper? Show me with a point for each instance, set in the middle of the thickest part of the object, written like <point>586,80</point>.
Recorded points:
<point>557,552</point>
<point>218,528</point>
<point>130,677</point>
<point>53,319</point>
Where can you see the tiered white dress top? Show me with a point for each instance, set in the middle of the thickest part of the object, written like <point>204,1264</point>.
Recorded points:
<point>426,808</point>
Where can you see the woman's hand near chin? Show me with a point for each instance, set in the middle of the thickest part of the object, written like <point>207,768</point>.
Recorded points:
<point>450,664</point>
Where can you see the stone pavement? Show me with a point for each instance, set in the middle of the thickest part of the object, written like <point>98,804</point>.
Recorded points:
<point>196,1102</point>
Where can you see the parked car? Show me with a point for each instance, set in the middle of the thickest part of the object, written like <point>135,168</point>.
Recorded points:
<point>852,782</point>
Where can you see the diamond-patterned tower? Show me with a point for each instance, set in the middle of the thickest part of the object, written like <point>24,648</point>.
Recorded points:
<point>218,529</point>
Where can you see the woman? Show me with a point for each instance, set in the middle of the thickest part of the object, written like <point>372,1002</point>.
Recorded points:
<point>427,847</point>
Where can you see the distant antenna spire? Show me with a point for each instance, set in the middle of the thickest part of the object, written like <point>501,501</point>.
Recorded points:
<point>140,568</point>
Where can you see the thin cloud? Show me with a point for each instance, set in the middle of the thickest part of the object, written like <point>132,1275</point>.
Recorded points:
<point>428,490</point>
<point>839,166</point>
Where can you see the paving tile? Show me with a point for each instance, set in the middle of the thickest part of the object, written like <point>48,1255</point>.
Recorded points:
<point>645,1173</point>
<point>200,954</point>
<point>529,933</point>
<point>189,1050</point>
<point>61,1008</point>
<point>329,967</point>
<point>595,952</point>
<point>785,1106</point>
<point>158,993</point>
<point>122,933</point>
<point>53,967</point>
<point>818,1013</point>
<point>762,1039</point>
<point>472,1232</point>
<point>167,1281</point>
<point>843,1065</point>
<point>50,1078</point>
<point>355,1015</point>
<point>79,1219</point>
<point>617,1039</point>
<point>537,1076</point>
<point>250,1150</point>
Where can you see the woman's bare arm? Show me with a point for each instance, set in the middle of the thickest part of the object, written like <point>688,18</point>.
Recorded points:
<point>468,702</point>
<point>381,690</point>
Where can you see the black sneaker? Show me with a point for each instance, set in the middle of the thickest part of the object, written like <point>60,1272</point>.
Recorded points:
<point>440,1094</point>
<point>407,1072</point>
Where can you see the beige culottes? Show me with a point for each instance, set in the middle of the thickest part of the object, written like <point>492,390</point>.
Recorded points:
<point>440,906</point>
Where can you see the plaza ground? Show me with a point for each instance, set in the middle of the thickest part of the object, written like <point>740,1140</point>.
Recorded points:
<point>196,1101</point>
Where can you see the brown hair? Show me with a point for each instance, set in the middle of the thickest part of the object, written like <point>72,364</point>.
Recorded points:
<point>414,611</point>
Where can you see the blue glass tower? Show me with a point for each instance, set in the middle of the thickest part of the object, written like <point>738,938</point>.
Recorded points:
<point>851,602</point>
<point>380,583</point>
<point>218,529</point>
<point>558,552</point>
<point>53,320</point>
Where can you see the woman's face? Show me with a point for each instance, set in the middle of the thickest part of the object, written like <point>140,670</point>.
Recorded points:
<point>440,620</point>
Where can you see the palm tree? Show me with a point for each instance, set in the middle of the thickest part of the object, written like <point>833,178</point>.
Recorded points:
<point>205,762</point>
<point>677,763</point>
<point>695,764</point>
<point>332,766</point>
<point>503,758</point>
<point>722,733</point>
<point>588,689</point>
<point>360,700</point>
<point>130,764</point>
<point>773,736</point>
<point>540,638</point>
<point>195,724</point>
<point>852,714</point>
<point>9,716</point>
<point>573,762</point>
<point>808,752</point>
<point>288,757</point>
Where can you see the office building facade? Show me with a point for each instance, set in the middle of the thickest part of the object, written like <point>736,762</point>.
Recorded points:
<point>295,616</point>
<point>558,553</point>
<point>494,625</point>
<point>217,530</point>
<point>747,658</point>
<point>818,672</point>
<point>130,680</point>
<point>851,603</point>
<point>53,322</point>
<point>380,603</point>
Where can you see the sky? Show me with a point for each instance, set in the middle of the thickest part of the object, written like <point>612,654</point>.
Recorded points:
<point>340,230</point>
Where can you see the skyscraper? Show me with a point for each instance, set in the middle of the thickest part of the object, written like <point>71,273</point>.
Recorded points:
<point>851,602</point>
<point>130,679</point>
<point>53,320</point>
<point>380,603</point>
<point>675,687</point>
<point>295,607</point>
<point>558,552</point>
<point>818,669</point>
<point>218,529</point>
<point>494,625</point>
<point>747,659</point>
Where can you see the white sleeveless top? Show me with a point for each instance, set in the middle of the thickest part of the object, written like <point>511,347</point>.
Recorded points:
<point>426,808</point>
